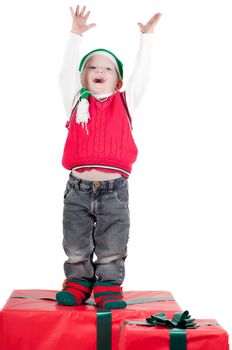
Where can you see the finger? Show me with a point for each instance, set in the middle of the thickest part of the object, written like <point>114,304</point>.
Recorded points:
<point>154,18</point>
<point>153,21</point>
<point>87,15</point>
<point>77,10</point>
<point>141,27</point>
<point>82,11</point>
<point>158,15</point>
<point>91,26</point>
<point>72,12</point>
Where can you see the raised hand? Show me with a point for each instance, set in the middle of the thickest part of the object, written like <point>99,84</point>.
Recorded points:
<point>149,26</point>
<point>79,17</point>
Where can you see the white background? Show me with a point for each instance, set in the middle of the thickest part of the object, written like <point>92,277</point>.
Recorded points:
<point>180,188</point>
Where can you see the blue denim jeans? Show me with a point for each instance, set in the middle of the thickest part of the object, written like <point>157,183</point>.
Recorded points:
<point>96,221</point>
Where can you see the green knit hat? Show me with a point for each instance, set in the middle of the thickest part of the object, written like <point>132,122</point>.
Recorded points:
<point>117,63</point>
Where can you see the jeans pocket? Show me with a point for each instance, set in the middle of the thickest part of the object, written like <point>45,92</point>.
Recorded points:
<point>68,190</point>
<point>122,196</point>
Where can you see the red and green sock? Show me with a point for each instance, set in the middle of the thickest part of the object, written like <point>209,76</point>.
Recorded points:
<point>108,295</point>
<point>75,292</point>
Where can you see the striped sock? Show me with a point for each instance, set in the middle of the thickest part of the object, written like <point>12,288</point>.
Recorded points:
<point>74,292</point>
<point>108,295</point>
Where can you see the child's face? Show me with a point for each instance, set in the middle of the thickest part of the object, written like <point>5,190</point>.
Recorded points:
<point>99,75</point>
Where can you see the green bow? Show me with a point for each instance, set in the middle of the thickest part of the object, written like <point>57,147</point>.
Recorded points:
<point>180,320</point>
<point>177,327</point>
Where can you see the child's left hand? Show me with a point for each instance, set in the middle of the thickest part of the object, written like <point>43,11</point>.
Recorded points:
<point>150,25</point>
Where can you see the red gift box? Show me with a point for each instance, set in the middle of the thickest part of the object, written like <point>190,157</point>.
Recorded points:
<point>32,320</point>
<point>209,335</point>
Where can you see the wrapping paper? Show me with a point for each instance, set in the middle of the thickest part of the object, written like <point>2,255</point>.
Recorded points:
<point>32,320</point>
<point>208,336</point>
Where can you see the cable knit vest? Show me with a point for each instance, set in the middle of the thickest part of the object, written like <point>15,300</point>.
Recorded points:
<point>109,143</point>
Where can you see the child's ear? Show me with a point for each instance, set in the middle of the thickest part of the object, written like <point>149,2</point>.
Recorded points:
<point>82,80</point>
<point>119,84</point>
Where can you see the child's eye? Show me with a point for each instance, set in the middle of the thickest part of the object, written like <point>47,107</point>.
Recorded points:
<point>91,67</point>
<point>108,68</point>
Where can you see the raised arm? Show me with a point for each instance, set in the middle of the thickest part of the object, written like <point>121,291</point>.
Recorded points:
<point>137,82</point>
<point>69,77</point>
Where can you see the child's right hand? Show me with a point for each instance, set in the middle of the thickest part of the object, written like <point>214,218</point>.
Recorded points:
<point>79,25</point>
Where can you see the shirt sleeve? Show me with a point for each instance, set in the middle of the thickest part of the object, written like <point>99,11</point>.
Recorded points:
<point>137,82</point>
<point>69,76</point>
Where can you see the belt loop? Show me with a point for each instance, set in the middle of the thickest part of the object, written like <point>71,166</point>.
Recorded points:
<point>112,185</point>
<point>78,184</point>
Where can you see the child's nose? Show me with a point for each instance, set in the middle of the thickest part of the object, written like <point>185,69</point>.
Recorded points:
<point>100,69</point>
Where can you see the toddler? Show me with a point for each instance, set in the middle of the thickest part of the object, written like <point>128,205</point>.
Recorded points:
<point>99,152</point>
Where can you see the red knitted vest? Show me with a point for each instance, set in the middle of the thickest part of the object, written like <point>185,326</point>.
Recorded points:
<point>109,143</point>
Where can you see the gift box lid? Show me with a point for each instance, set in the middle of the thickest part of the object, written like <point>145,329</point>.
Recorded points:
<point>32,319</point>
<point>208,335</point>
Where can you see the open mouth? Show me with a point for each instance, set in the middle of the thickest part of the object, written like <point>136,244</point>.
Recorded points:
<point>99,80</point>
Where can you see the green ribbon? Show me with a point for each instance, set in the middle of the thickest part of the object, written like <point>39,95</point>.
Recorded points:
<point>178,339</point>
<point>31,297</point>
<point>148,300</point>
<point>104,333</point>
<point>91,301</point>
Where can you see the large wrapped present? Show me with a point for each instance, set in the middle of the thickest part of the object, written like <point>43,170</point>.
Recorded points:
<point>32,320</point>
<point>160,333</point>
